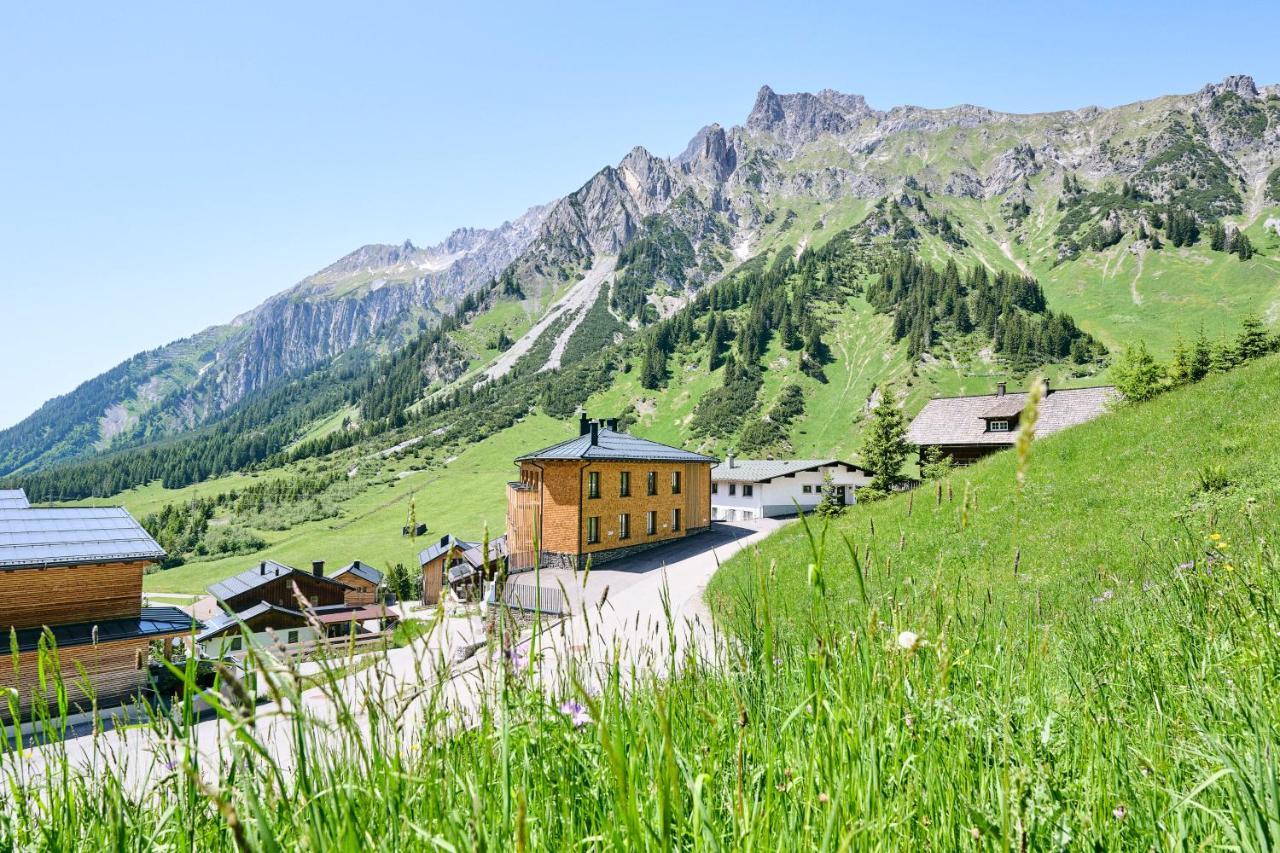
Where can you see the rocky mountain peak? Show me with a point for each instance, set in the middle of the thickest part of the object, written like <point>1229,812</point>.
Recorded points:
<point>709,155</point>
<point>803,117</point>
<point>1239,84</point>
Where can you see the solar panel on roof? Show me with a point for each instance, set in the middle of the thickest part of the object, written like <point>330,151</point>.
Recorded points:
<point>35,536</point>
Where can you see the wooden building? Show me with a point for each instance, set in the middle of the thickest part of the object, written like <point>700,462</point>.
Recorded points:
<point>279,604</point>
<point>436,560</point>
<point>364,583</point>
<point>603,495</point>
<point>969,428</point>
<point>71,580</point>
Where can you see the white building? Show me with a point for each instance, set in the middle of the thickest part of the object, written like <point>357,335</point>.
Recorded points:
<point>743,489</point>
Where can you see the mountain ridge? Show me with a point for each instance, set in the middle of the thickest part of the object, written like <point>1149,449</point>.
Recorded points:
<point>797,162</point>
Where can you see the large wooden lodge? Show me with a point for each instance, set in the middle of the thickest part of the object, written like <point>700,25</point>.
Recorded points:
<point>71,579</point>
<point>602,495</point>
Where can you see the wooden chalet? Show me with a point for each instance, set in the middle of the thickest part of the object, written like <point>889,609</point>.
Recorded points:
<point>459,564</point>
<point>279,604</point>
<point>603,495</point>
<point>364,583</point>
<point>71,580</point>
<point>969,428</point>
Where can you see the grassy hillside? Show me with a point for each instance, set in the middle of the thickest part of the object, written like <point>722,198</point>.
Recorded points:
<point>1116,687</point>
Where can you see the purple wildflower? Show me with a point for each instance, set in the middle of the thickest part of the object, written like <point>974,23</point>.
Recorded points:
<point>516,658</point>
<point>576,712</point>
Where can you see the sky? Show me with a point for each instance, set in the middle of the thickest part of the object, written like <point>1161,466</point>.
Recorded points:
<point>167,166</point>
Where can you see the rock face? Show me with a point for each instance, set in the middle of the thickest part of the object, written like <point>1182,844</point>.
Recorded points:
<point>719,193</point>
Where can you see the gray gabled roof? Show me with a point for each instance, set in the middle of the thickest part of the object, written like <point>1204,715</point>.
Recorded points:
<point>445,543</point>
<point>361,570</point>
<point>62,536</point>
<point>763,470</point>
<point>260,575</point>
<point>228,621</point>
<point>962,420</point>
<point>13,499</point>
<point>616,446</point>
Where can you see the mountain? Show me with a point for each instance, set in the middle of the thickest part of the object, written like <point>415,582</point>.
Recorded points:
<point>376,297</point>
<point>1149,220</point>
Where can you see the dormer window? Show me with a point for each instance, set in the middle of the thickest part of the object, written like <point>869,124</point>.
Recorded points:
<point>997,426</point>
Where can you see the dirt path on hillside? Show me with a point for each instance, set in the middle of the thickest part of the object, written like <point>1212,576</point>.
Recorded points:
<point>1007,248</point>
<point>1133,285</point>
<point>578,300</point>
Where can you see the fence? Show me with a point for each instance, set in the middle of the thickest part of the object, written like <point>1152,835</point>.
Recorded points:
<point>530,597</point>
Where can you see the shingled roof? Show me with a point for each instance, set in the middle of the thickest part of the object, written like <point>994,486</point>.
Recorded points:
<point>63,536</point>
<point>963,420</point>
<point>604,443</point>
<point>763,470</point>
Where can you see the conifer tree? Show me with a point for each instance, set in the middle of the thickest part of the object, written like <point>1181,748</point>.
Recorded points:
<point>1180,365</point>
<point>1253,341</point>
<point>885,448</point>
<point>1138,376</point>
<point>1201,358</point>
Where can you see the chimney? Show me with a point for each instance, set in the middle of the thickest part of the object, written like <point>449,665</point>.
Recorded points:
<point>595,433</point>
<point>728,458</point>
<point>317,568</point>
<point>262,568</point>
<point>584,424</point>
<point>1000,386</point>
<point>613,424</point>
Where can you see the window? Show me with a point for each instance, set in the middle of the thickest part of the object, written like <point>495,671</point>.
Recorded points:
<point>653,482</point>
<point>715,488</point>
<point>593,530</point>
<point>733,489</point>
<point>234,645</point>
<point>651,522</point>
<point>748,490</point>
<point>624,484</point>
<point>624,526</point>
<point>998,426</point>
<point>675,520</point>
<point>808,490</point>
<point>291,637</point>
<point>675,482</point>
<point>593,484</point>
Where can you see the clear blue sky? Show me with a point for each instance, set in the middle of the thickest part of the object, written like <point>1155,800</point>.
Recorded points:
<point>166,166</point>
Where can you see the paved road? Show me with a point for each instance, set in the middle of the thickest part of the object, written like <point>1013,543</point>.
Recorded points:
<point>645,612</point>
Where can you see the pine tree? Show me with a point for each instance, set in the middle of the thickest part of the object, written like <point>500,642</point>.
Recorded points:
<point>934,464</point>
<point>1138,376</point>
<point>1243,248</point>
<point>1180,366</point>
<point>653,372</point>
<point>1201,358</point>
<point>831,503</point>
<point>1253,341</point>
<point>1223,358</point>
<point>885,448</point>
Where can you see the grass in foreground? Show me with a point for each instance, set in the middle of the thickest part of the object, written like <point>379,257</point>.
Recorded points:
<point>1115,687</point>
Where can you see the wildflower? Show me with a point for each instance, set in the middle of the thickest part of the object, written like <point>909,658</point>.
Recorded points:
<point>909,721</point>
<point>1107,595</point>
<point>822,797</point>
<point>1215,536</point>
<point>516,657</point>
<point>909,641</point>
<point>777,661</point>
<point>577,714</point>
<point>1187,566</point>
<point>975,833</point>
<point>1119,812</point>
<point>1229,567</point>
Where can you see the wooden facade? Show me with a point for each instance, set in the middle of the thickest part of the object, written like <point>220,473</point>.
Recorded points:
<point>553,505</point>
<point>433,575</point>
<point>116,670</point>
<point>361,590</point>
<point>62,595</point>
<point>319,591</point>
